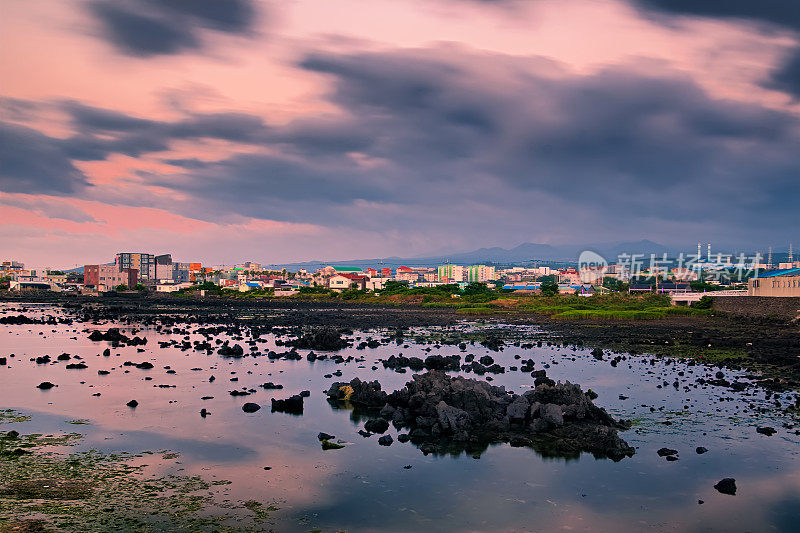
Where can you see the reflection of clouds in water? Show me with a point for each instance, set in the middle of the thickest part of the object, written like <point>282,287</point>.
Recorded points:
<point>228,451</point>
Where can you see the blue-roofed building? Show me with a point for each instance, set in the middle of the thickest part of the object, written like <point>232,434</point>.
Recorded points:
<point>522,286</point>
<point>784,283</point>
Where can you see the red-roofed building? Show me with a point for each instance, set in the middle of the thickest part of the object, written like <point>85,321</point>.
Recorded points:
<point>341,282</point>
<point>406,274</point>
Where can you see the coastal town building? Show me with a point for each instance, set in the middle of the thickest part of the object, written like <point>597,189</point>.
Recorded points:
<point>785,282</point>
<point>451,273</point>
<point>144,263</point>
<point>105,278</point>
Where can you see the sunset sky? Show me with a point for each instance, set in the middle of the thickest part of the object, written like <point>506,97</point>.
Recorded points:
<point>230,130</point>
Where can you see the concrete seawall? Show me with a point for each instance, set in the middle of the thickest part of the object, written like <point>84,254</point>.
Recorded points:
<point>758,306</point>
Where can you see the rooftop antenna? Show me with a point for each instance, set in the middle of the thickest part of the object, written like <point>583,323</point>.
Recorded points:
<point>769,258</point>
<point>791,257</point>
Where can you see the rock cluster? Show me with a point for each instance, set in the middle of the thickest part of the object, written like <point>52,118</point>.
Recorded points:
<point>445,414</point>
<point>116,338</point>
<point>325,339</point>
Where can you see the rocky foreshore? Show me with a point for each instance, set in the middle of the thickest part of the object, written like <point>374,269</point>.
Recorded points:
<point>445,414</point>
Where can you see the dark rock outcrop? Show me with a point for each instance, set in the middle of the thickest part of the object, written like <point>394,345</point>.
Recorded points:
<point>116,338</point>
<point>452,414</point>
<point>250,407</point>
<point>726,486</point>
<point>361,393</point>
<point>325,339</point>
<point>292,405</point>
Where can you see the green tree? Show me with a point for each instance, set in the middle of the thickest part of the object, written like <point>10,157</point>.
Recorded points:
<point>614,284</point>
<point>395,287</point>
<point>549,288</point>
<point>706,302</point>
<point>121,287</point>
<point>476,288</point>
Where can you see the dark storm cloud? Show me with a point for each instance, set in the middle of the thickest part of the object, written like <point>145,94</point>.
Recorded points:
<point>787,77</point>
<point>619,141</point>
<point>145,28</point>
<point>651,144</point>
<point>33,163</point>
<point>774,13</point>
<point>86,118</point>
<point>430,134</point>
<point>101,132</point>
<point>271,187</point>
<point>778,12</point>
<point>237,127</point>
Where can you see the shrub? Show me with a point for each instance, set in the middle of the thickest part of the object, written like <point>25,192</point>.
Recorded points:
<point>614,315</point>
<point>475,311</point>
<point>706,302</point>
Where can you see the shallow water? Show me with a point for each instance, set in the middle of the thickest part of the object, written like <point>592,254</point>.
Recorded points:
<point>364,487</point>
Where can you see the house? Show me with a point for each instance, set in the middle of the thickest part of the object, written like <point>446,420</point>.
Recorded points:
<point>105,277</point>
<point>585,289</point>
<point>341,282</point>
<point>785,282</point>
<point>251,285</point>
<point>334,270</point>
<point>172,287</point>
<point>405,273</point>
<point>377,283</point>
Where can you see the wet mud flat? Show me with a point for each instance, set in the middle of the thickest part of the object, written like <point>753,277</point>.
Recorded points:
<point>770,344</point>
<point>260,420</point>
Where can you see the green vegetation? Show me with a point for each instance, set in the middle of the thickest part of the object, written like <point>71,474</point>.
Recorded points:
<point>614,284</point>
<point>10,416</point>
<point>43,488</point>
<point>616,315</point>
<point>121,287</point>
<point>706,302</point>
<point>549,286</point>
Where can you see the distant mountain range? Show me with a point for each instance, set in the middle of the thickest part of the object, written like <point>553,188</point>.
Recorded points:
<point>526,253</point>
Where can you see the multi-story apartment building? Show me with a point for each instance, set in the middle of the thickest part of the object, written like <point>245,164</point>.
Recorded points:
<point>163,268</point>
<point>479,273</point>
<point>106,277</point>
<point>447,273</point>
<point>142,262</point>
<point>11,268</point>
<point>182,272</point>
<point>405,273</point>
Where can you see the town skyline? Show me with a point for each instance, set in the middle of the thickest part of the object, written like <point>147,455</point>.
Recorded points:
<point>525,253</point>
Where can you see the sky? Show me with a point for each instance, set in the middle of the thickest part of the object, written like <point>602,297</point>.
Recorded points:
<point>229,130</point>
